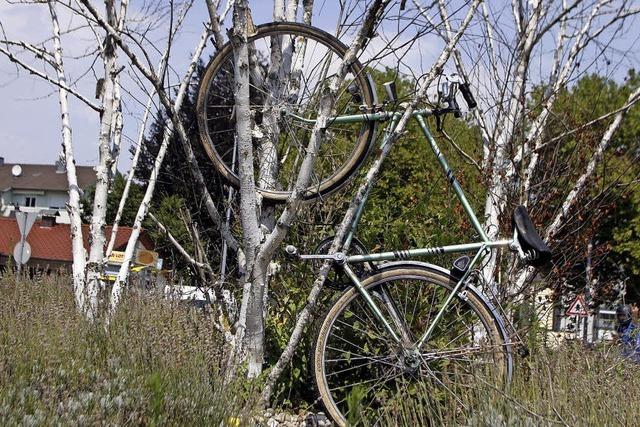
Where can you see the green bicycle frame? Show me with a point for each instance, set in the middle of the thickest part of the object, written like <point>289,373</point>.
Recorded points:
<point>481,248</point>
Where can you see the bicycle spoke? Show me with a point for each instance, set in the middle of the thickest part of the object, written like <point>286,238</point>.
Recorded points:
<point>288,70</point>
<point>384,376</point>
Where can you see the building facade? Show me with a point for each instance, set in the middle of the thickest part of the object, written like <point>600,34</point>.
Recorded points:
<point>39,188</point>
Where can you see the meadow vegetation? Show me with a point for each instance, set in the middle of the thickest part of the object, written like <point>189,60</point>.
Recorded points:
<point>160,363</point>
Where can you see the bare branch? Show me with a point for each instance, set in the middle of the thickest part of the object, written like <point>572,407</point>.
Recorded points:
<point>305,314</point>
<point>57,83</point>
<point>162,66</point>
<point>73,206</point>
<point>179,247</point>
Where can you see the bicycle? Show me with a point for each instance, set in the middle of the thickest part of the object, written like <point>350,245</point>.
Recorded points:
<point>409,329</point>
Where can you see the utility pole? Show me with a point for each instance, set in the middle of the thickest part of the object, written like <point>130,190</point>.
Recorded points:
<point>587,291</point>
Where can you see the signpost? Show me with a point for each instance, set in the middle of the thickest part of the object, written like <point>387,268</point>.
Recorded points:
<point>22,251</point>
<point>578,308</point>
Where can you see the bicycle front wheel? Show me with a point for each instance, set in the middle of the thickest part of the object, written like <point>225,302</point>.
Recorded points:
<point>291,66</point>
<point>365,377</point>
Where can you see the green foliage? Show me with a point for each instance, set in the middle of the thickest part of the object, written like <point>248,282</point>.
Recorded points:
<point>412,204</point>
<point>627,237</point>
<point>604,214</point>
<point>131,206</point>
<point>169,211</point>
<point>113,201</point>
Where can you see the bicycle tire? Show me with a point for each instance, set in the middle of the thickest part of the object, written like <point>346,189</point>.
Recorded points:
<point>344,147</point>
<point>499,356</point>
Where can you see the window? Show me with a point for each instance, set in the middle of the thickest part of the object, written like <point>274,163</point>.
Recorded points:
<point>558,314</point>
<point>606,320</point>
<point>30,202</point>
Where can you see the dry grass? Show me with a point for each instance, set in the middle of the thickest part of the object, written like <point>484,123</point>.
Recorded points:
<point>159,363</point>
<point>567,386</point>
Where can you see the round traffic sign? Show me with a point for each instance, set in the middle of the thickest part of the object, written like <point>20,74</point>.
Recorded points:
<point>22,252</point>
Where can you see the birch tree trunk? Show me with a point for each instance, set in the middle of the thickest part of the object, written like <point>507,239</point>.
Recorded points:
<point>500,164</point>
<point>178,127</point>
<point>95,264</point>
<point>305,316</point>
<point>162,66</point>
<point>143,209</point>
<point>254,334</point>
<point>73,206</point>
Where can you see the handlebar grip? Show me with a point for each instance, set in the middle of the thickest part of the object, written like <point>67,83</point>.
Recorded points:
<point>467,95</point>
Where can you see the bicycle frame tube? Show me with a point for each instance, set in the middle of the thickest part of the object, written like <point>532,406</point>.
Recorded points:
<point>394,116</point>
<point>370,302</point>
<point>380,116</point>
<point>482,248</point>
<point>425,337</point>
<point>356,218</point>
<point>430,251</point>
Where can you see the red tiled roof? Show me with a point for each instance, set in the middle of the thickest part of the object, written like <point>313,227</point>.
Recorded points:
<point>54,243</point>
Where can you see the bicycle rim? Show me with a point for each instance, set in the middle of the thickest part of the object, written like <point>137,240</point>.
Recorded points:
<point>290,67</point>
<point>363,377</point>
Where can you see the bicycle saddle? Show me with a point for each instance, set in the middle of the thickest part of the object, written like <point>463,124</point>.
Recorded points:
<point>537,251</point>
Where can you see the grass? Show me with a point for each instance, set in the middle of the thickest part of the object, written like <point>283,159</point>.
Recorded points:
<point>161,363</point>
<point>567,386</point>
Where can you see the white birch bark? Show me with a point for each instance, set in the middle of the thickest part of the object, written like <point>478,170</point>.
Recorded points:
<point>73,206</point>
<point>177,124</point>
<point>117,100</point>
<point>457,57</point>
<point>162,66</point>
<point>97,239</point>
<point>275,238</point>
<point>55,81</point>
<point>189,258</point>
<point>534,135</point>
<point>143,209</point>
<point>569,202</point>
<point>215,20</point>
<point>254,331</point>
<point>497,192</point>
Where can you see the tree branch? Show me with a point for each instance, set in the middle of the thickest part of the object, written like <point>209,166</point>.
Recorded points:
<point>57,83</point>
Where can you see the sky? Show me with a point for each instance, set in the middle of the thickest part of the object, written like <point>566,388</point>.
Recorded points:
<point>30,129</point>
<point>29,114</point>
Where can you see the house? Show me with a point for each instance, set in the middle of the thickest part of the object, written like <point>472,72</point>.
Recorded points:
<point>51,242</point>
<point>39,188</point>
<point>559,324</point>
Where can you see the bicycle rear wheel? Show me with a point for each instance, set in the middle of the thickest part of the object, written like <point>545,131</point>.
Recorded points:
<point>291,65</point>
<point>364,377</point>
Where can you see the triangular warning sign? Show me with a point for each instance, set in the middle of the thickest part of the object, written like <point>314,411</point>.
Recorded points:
<point>578,307</point>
